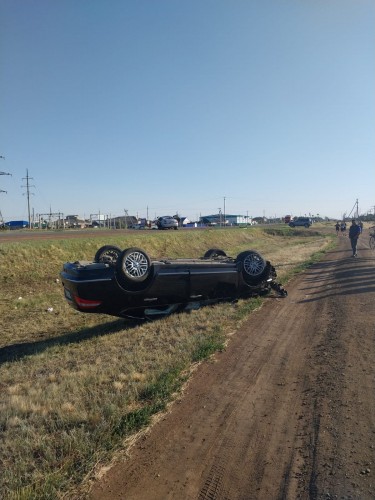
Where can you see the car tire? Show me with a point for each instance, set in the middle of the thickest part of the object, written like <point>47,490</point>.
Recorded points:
<point>212,253</point>
<point>254,267</point>
<point>134,269</point>
<point>307,225</point>
<point>175,228</point>
<point>108,254</point>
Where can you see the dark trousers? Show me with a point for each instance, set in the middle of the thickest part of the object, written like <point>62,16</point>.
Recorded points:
<point>353,242</point>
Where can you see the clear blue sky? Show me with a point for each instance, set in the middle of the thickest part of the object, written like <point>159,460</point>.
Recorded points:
<point>174,105</point>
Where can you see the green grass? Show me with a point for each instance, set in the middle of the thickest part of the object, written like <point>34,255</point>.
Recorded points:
<point>73,385</point>
<point>208,344</point>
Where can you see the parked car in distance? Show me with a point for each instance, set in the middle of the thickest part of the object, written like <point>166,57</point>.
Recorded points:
<point>16,224</point>
<point>301,221</point>
<point>129,283</point>
<point>167,222</point>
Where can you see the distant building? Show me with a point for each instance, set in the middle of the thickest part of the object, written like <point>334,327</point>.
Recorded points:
<point>230,220</point>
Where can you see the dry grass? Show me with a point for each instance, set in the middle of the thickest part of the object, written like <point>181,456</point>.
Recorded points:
<point>74,385</point>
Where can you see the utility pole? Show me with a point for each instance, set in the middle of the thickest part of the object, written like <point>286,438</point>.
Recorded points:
<point>126,218</point>
<point>224,211</point>
<point>28,186</point>
<point>2,191</point>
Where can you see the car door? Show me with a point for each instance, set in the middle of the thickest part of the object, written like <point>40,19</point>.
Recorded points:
<point>213,280</point>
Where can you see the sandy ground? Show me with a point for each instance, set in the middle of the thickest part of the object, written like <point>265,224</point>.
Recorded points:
<point>287,411</point>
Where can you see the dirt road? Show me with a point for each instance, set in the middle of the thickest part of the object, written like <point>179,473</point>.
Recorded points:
<point>286,412</point>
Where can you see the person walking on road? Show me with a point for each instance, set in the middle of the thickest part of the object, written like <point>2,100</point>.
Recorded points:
<point>354,232</point>
<point>337,228</point>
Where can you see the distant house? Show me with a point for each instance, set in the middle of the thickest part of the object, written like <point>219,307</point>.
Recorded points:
<point>230,220</point>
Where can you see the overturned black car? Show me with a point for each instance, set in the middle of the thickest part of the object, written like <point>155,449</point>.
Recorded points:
<point>129,284</point>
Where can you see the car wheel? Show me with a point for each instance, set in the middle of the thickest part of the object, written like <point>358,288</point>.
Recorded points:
<point>212,253</point>
<point>254,267</point>
<point>306,225</point>
<point>133,269</point>
<point>176,228</point>
<point>108,255</point>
